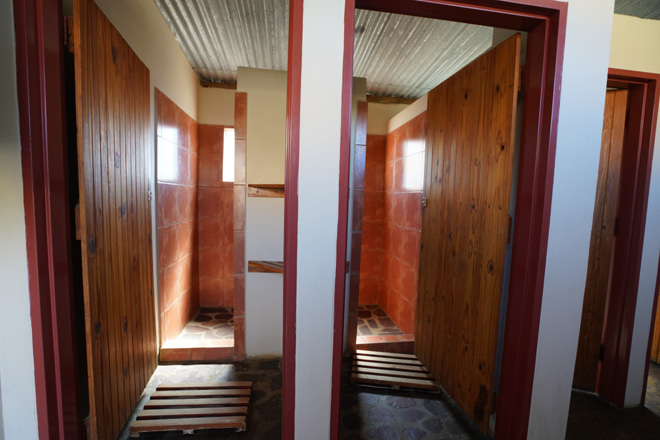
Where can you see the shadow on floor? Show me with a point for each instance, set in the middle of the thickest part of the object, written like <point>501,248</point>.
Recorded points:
<point>591,418</point>
<point>382,414</point>
<point>265,412</point>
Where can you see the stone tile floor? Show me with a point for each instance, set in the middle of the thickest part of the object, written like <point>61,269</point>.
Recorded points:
<point>384,414</point>
<point>209,324</point>
<point>591,418</point>
<point>373,321</point>
<point>366,412</point>
<point>265,411</point>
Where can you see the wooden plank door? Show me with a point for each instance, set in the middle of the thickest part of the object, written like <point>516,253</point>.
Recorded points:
<point>113,107</point>
<point>469,166</point>
<point>602,241</point>
<point>655,344</point>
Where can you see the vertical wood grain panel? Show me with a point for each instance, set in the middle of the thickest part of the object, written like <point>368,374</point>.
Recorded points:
<point>602,241</point>
<point>469,164</point>
<point>113,107</point>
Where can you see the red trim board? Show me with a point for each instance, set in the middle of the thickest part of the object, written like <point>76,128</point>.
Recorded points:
<point>291,219</point>
<point>40,74</point>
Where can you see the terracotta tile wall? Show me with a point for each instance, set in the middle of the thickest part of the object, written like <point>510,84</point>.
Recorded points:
<point>373,221</point>
<point>404,174</point>
<point>392,221</point>
<point>215,224</point>
<point>177,174</point>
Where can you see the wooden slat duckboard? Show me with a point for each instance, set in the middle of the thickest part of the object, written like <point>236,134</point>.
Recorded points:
<point>391,370</point>
<point>194,406</point>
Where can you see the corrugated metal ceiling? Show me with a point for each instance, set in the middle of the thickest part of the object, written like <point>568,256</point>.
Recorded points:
<point>399,55</point>
<point>407,56</point>
<point>638,8</point>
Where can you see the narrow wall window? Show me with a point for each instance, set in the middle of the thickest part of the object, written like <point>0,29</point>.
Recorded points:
<point>228,156</point>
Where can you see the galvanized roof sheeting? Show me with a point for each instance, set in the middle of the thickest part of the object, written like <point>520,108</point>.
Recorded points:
<point>638,8</point>
<point>398,55</point>
<point>218,36</point>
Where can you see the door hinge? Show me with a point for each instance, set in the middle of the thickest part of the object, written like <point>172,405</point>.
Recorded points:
<point>423,202</point>
<point>77,220</point>
<point>150,196</point>
<point>616,227</point>
<point>67,35</point>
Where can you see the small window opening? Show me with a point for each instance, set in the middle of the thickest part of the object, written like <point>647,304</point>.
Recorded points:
<point>228,156</point>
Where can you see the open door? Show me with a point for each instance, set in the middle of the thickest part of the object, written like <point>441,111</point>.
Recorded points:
<point>112,109</point>
<point>603,232</point>
<point>465,226</point>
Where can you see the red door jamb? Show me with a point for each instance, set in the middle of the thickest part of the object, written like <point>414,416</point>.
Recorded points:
<point>40,73</point>
<point>291,219</point>
<point>644,95</point>
<point>545,22</point>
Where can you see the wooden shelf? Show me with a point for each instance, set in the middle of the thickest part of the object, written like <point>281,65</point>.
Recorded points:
<point>272,266</point>
<point>266,190</point>
<point>266,266</point>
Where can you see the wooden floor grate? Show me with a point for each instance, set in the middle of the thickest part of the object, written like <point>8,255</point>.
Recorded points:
<point>391,370</point>
<point>188,407</point>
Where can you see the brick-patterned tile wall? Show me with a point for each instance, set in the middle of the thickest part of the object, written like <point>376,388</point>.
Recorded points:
<point>177,175</point>
<point>215,213</point>
<point>392,221</point>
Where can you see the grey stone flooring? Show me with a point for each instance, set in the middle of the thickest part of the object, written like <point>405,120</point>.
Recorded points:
<point>383,414</point>
<point>265,411</point>
<point>373,321</point>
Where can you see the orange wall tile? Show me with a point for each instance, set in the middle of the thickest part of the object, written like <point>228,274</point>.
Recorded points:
<point>372,211</point>
<point>392,221</point>
<point>215,221</point>
<point>177,175</point>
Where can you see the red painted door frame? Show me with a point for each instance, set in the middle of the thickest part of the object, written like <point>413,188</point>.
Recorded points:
<point>643,99</point>
<point>545,22</point>
<point>40,73</point>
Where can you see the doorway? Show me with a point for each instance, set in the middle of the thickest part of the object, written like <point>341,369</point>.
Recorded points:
<point>616,245</point>
<point>604,350</point>
<point>536,165</point>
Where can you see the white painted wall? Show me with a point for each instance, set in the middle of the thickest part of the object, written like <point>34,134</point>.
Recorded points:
<point>408,113</point>
<point>578,149</point>
<point>636,46</point>
<point>18,407</point>
<point>379,114</point>
<point>264,228</point>
<point>215,106</point>
<point>144,29</point>
<point>320,129</point>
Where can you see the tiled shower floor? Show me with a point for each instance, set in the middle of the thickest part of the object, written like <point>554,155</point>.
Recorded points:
<point>210,324</point>
<point>373,321</point>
